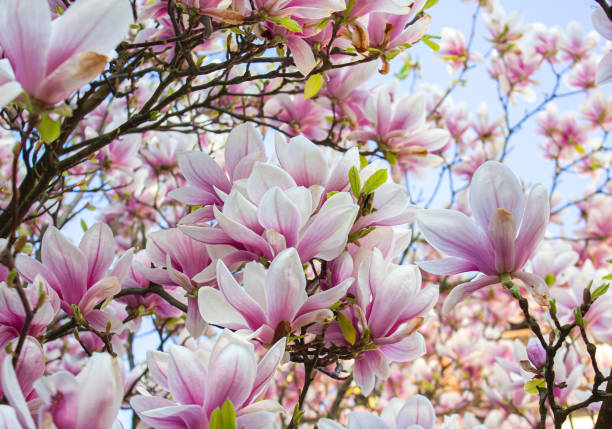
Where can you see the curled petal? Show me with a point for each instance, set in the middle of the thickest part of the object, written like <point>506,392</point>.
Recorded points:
<point>459,293</point>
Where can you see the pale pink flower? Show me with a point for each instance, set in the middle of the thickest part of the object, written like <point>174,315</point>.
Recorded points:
<point>80,275</point>
<point>296,115</point>
<point>597,109</point>
<point>272,303</point>
<point>506,231</point>
<point>575,44</point>
<point>71,402</point>
<point>52,59</point>
<point>202,381</point>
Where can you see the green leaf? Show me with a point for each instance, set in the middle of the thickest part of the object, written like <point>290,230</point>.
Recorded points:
<point>532,386</point>
<point>347,12</point>
<point>607,277</point>
<point>83,225</point>
<point>374,181</point>
<point>287,22</point>
<point>224,417</point>
<point>313,85</point>
<point>578,316</point>
<point>433,45</point>
<point>429,4</point>
<point>355,181</point>
<point>550,279</point>
<point>49,129</point>
<point>348,330</point>
<point>600,291</point>
<point>391,158</point>
<point>363,161</point>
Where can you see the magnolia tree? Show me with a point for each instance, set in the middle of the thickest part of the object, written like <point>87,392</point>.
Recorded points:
<point>293,229</point>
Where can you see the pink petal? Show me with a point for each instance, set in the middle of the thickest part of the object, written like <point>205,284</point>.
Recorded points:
<point>266,369</point>
<point>202,172</point>
<point>302,54</point>
<point>326,298</point>
<point>215,309</point>
<point>303,160</point>
<point>604,70</point>
<point>602,23</point>
<point>68,264</point>
<point>12,392</point>
<point>238,298</point>
<point>277,212</point>
<point>231,375</point>
<point>243,141</point>
<point>285,287</point>
<point>502,231</point>
<point>372,365</point>
<point>533,227</point>
<point>98,246</point>
<point>162,413</point>
<point>88,26</point>
<point>241,234</point>
<point>454,234</point>
<point>494,186</point>
<point>25,38</point>
<point>364,420</point>
<point>459,293</point>
<point>186,376</point>
<point>158,362</point>
<point>447,266</point>
<point>406,350</point>
<point>194,322</point>
<point>264,177</point>
<point>101,320</point>
<point>106,287</point>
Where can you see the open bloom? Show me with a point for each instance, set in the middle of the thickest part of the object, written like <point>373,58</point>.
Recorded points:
<point>274,303</point>
<point>90,400</point>
<point>202,381</point>
<point>51,59</point>
<point>503,236</point>
<point>80,275</point>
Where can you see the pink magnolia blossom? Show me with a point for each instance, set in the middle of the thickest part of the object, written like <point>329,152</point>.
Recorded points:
<point>390,307</point>
<point>51,59</point>
<point>597,110</point>
<point>506,231</point>
<point>80,275</point>
<point>603,25</point>
<point>70,402</point>
<point>202,381</point>
<point>274,302</point>
<point>297,115</point>
<point>575,44</point>
<point>415,413</point>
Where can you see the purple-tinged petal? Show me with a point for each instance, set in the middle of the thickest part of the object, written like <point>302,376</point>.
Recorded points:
<point>193,196</point>
<point>88,26</point>
<point>238,298</point>
<point>203,172</point>
<point>68,264</point>
<point>29,268</point>
<point>303,160</point>
<point>267,176</point>
<point>241,234</point>
<point>533,226</point>
<point>602,23</point>
<point>215,309</point>
<point>406,350</point>
<point>502,232</point>
<point>158,362</point>
<point>25,38</point>
<point>363,420</point>
<point>103,320</point>
<point>459,293</point>
<point>231,375</point>
<point>106,287</point>
<point>60,394</point>
<point>8,416</point>
<point>242,142</point>
<point>186,376</point>
<point>194,323</point>
<point>302,54</point>
<point>330,424</point>
<point>266,368</point>
<point>326,298</point>
<point>373,364</point>
<point>447,266</point>
<point>162,413</point>
<point>285,287</point>
<point>277,212</point>
<point>98,246</point>
<point>454,234</point>
<point>604,70</point>
<point>327,234</point>
<point>494,186</point>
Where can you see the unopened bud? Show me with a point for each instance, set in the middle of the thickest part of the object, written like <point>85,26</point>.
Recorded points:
<point>536,353</point>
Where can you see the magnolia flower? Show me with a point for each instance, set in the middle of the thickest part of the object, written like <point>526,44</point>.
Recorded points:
<point>202,381</point>
<point>91,400</point>
<point>603,25</point>
<point>80,275</point>
<point>51,59</point>
<point>499,242</point>
<point>416,413</point>
<point>389,310</point>
<point>273,303</point>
